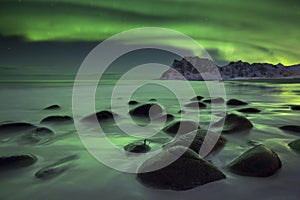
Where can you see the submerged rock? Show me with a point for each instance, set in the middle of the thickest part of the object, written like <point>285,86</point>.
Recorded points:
<point>249,110</point>
<point>19,126</point>
<point>132,102</point>
<point>56,168</point>
<point>147,110</point>
<point>16,161</point>
<point>181,127</point>
<point>187,172</point>
<point>57,119</point>
<point>194,140</point>
<point>137,147</point>
<point>52,107</point>
<point>235,123</point>
<point>295,145</point>
<point>36,136</point>
<point>292,128</point>
<point>196,104</point>
<point>260,161</point>
<point>236,102</point>
<point>167,117</point>
<point>100,116</point>
<point>295,107</point>
<point>197,98</point>
<point>214,100</point>
<point>152,99</point>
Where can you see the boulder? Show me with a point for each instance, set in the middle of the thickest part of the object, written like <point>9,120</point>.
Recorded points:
<point>137,147</point>
<point>147,110</point>
<point>194,140</point>
<point>295,107</point>
<point>292,128</point>
<point>197,98</point>
<point>52,107</point>
<point>236,102</point>
<point>16,161</point>
<point>19,126</point>
<point>181,127</point>
<point>57,119</point>
<point>259,161</point>
<point>295,145</point>
<point>187,172</point>
<point>132,102</point>
<point>235,123</point>
<point>56,168</point>
<point>36,136</point>
<point>100,116</point>
<point>196,104</point>
<point>249,110</point>
<point>214,100</point>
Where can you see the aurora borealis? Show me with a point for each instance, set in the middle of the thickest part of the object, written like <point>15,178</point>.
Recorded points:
<point>253,31</point>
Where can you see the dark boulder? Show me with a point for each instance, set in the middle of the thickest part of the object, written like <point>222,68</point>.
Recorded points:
<point>57,119</point>
<point>197,98</point>
<point>56,168</point>
<point>132,102</point>
<point>16,161</point>
<point>137,147</point>
<point>292,128</point>
<point>100,116</point>
<point>236,102</point>
<point>249,110</point>
<point>235,123</point>
<point>36,136</point>
<point>218,100</point>
<point>181,127</point>
<point>52,107</point>
<point>19,126</point>
<point>186,172</point>
<point>259,161</point>
<point>194,140</point>
<point>196,104</point>
<point>295,145</point>
<point>147,110</point>
<point>295,107</point>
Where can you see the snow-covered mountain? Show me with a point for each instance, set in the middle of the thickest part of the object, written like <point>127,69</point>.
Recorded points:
<point>195,68</point>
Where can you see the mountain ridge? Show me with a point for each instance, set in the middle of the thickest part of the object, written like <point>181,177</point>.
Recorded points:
<point>195,68</point>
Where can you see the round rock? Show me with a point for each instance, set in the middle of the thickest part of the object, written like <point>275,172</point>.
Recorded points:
<point>187,172</point>
<point>260,161</point>
<point>181,127</point>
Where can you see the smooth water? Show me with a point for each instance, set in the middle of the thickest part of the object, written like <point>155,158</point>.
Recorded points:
<point>89,179</point>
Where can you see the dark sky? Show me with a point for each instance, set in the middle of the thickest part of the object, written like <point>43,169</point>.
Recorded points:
<point>50,36</point>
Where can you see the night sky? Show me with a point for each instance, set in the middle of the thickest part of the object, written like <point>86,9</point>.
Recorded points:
<point>42,34</point>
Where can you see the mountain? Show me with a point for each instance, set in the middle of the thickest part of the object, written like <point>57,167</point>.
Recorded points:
<point>195,68</point>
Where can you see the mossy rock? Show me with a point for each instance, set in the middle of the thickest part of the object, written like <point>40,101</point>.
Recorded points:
<point>194,140</point>
<point>186,172</point>
<point>236,102</point>
<point>295,145</point>
<point>259,161</point>
<point>234,123</point>
<point>181,127</point>
<point>196,104</point>
<point>100,116</point>
<point>16,161</point>
<point>147,110</point>
<point>249,110</point>
<point>57,119</point>
<point>137,147</point>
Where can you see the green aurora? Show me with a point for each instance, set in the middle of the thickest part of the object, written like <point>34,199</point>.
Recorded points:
<point>253,31</point>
